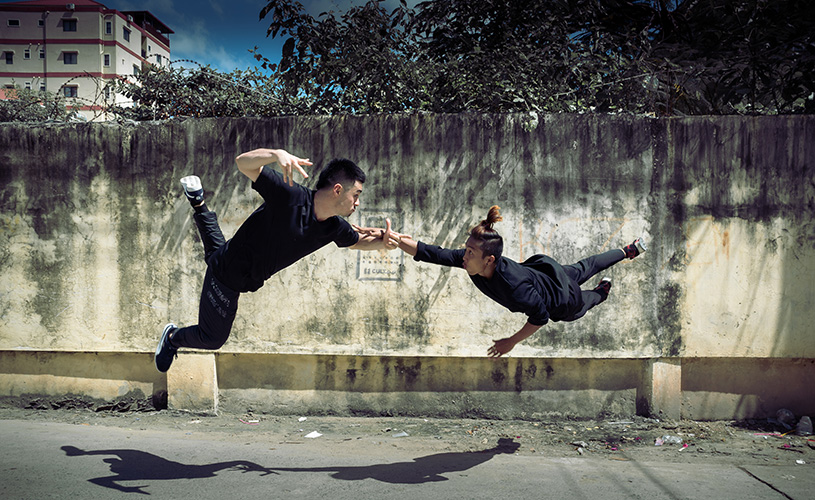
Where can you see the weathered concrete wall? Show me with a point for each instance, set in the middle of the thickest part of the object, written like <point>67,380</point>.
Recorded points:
<point>98,250</point>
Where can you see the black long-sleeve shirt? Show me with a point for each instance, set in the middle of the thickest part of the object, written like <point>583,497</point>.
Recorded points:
<point>537,287</point>
<point>281,231</point>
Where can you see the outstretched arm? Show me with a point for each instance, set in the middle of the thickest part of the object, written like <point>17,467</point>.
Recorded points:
<point>251,162</point>
<point>503,346</point>
<point>373,238</point>
<point>409,246</point>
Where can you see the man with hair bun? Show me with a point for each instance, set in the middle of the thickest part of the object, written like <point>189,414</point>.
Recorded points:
<point>539,287</point>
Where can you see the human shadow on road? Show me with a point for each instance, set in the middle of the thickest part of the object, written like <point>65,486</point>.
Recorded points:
<point>135,465</point>
<point>420,470</point>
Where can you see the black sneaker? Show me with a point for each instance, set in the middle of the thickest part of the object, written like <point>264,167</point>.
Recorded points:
<point>604,287</point>
<point>635,248</point>
<point>164,351</point>
<point>193,189</point>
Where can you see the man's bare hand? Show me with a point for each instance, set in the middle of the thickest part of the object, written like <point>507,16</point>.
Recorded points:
<point>288,163</point>
<point>501,347</point>
<point>390,238</point>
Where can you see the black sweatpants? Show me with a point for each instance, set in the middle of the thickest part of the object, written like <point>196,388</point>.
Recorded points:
<point>219,304</point>
<point>584,270</point>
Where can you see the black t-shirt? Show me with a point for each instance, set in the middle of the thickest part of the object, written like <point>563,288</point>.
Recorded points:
<point>538,287</point>
<point>280,232</point>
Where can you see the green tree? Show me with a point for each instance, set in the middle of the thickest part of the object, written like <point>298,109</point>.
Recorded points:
<point>663,57</point>
<point>658,56</point>
<point>26,105</point>
<point>160,93</point>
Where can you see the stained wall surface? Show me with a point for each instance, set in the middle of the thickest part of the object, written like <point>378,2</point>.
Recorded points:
<point>98,249</point>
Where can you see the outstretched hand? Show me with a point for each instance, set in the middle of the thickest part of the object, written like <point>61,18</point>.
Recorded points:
<point>500,347</point>
<point>389,237</point>
<point>288,163</point>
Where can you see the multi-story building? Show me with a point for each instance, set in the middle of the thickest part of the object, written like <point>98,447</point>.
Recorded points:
<point>76,49</point>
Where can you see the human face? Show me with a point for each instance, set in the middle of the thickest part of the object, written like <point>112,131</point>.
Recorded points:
<point>475,262</point>
<point>348,200</point>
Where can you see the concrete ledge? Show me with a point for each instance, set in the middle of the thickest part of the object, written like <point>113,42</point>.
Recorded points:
<point>101,375</point>
<point>437,386</point>
<point>660,391</point>
<point>526,388</point>
<point>738,388</point>
<point>192,383</point>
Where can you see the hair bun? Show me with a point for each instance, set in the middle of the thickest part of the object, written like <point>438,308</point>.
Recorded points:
<point>493,216</point>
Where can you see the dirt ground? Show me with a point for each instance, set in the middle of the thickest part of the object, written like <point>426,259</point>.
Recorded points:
<point>747,442</point>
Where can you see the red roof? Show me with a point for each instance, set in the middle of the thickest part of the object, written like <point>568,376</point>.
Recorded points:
<point>56,3</point>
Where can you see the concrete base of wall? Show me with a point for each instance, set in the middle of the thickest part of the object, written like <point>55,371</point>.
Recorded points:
<point>522,388</point>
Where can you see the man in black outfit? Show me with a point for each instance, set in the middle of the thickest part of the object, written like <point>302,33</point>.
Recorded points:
<point>539,287</point>
<point>292,222</point>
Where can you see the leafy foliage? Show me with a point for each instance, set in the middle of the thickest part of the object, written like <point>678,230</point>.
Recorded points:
<point>161,93</point>
<point>645,56</point>
<point>661,57</point>
<point>26,105</point>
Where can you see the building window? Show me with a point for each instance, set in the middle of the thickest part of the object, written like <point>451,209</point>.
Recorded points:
<point>107,59</point>
<point>42,87</point>
<point>136,70</point>
<point>42,53</point>
<point>14,23</point>
<point>9,57</point>
<point>69,91</point>
<point>108,27</point>
<point>69,25</point>
<point>158,58</point>
<point>40,22</point>
<point>28,85</point>
<point>69,57</point>
<point>27,54</point>
<point>126,34</point>
<point>107,92</point>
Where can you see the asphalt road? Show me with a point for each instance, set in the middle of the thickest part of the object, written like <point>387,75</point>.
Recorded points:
<point>63,460</point>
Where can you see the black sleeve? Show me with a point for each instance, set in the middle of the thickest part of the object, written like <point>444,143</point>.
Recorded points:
<point>346,236</point>
<point>438,255</point>
<point>276,192</point>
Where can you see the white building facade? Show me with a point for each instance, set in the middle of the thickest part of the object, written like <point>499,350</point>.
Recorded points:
<point>76,49</point>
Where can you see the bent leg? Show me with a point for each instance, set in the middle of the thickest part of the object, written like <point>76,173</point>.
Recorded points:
<point>588,267</point>
<point>210,231</point>
<point>216,313</point>
<point>590,299</point>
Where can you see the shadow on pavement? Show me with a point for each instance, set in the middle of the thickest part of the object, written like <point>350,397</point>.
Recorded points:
<point>420,470</point>
<point>134,465</point>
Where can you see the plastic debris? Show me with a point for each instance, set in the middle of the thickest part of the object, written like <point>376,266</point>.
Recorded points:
<point>785,418</point>
<point>800,462</point>
<point>401,434</point>
<point>313,434</point>
<point>668,439</point>
<point>804,427</point>
<point>302,419</point>
<point>250,422</point>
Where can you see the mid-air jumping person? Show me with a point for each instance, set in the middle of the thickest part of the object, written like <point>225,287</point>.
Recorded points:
<point>293,222</point>
<point>538,287</point>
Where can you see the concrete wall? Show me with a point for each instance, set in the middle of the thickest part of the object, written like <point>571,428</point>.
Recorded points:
<point>98,250</point>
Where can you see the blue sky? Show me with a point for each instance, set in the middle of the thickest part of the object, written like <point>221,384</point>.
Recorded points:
<point>221,33</point>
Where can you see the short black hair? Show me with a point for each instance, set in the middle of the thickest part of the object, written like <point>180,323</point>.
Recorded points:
<point>340,170</point>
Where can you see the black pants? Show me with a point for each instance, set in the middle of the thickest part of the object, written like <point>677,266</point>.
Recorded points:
<point>219,304</point>
<point>585,269</point>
